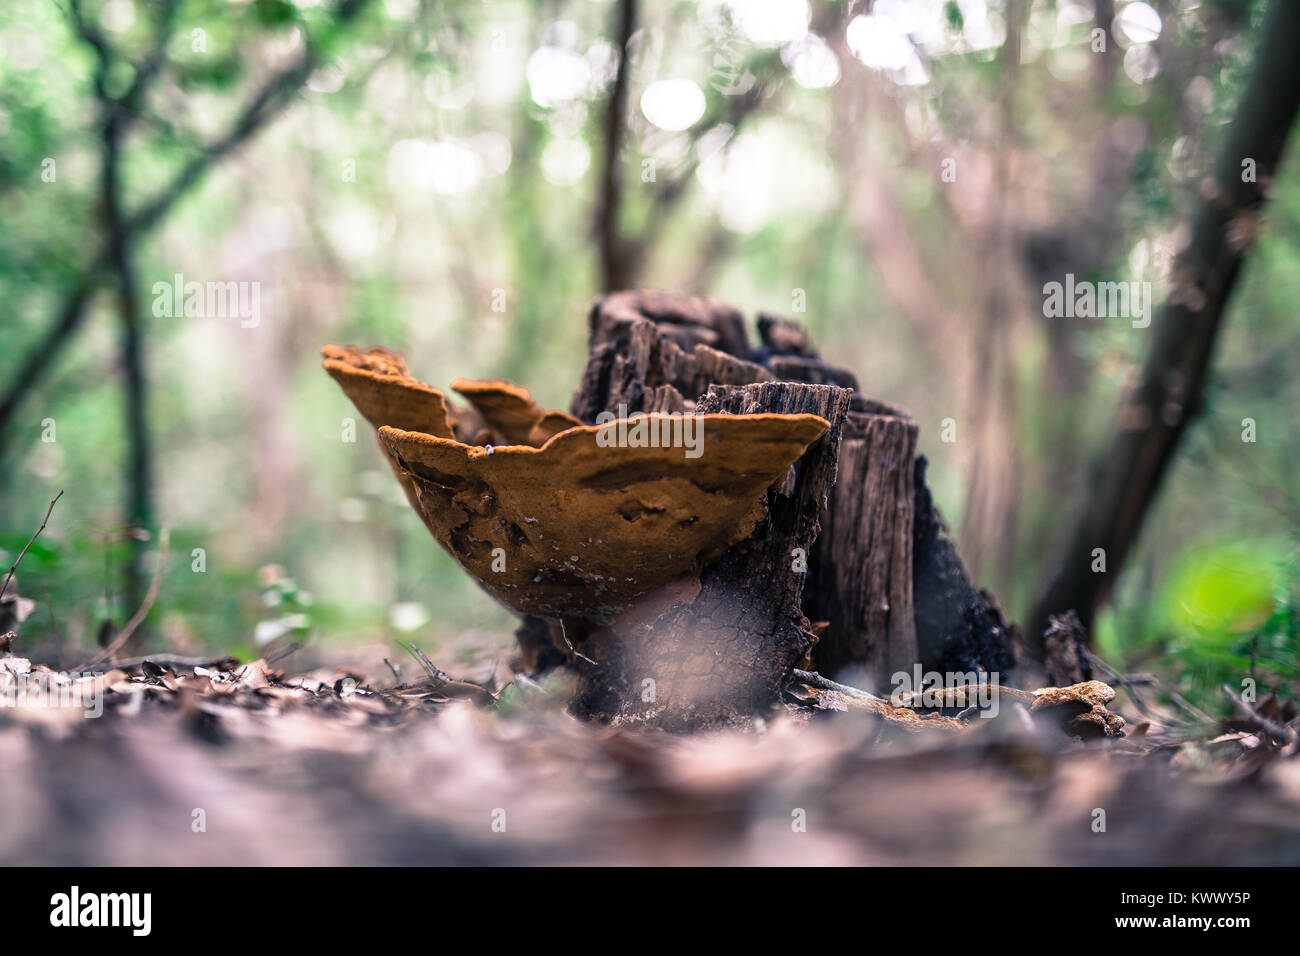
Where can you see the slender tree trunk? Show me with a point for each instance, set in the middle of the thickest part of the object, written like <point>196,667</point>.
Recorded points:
<point>118,240</point>
<point>616,267</point>
<point>139,503</point>
<point>272,98</point>
<point>1153,418</point>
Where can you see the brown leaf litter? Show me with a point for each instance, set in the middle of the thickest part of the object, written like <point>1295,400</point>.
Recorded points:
<point>337,767</point>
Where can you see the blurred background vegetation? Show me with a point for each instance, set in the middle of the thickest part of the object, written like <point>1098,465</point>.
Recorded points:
<point>387,172</point>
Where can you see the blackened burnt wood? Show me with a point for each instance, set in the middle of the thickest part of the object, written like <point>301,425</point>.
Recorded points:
<point>797,368</point>
<point>727,653</point>
<point>783,337</point>
<point>958,629</point>
<point>537,651</point>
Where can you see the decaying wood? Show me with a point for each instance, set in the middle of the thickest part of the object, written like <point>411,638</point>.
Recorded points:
<point>537,650</point>
<point>861,569</point>
<point>686,320</point>
<point>783,337</point>
<point>958,628</point>
<point>634,366</point>
<point>883,548</point>
<point>681,595</point>
<point>728,651</point>
<point>1066,643</point>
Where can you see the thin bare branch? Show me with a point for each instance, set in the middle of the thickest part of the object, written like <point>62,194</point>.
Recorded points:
<point>13,567</point>
<point>1259,720</point>
<point>813,679</point>
<point>274,95</point>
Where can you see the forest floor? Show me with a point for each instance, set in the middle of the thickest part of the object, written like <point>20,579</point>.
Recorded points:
<point>242,764</point>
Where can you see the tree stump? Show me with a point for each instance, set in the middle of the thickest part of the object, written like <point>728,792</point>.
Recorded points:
<point>884,576</point>
<point>725,653</point>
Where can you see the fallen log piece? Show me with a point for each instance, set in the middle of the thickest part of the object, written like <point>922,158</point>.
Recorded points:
<point>1076,711</point>
<point>1081,709</point>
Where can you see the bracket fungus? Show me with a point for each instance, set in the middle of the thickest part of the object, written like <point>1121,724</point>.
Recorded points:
<point>511,412</point>
<point>1081,709</point>
<point>573,526</point>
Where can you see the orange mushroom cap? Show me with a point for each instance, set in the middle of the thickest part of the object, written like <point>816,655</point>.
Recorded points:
<point>511,412</point>
<point>577,526</point>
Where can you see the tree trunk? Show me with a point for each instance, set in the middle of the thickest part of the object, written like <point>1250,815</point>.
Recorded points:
<point>617,256</point>
<point>1153,418</point>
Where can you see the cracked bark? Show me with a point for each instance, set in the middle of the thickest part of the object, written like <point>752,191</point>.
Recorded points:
<point>881,570</point>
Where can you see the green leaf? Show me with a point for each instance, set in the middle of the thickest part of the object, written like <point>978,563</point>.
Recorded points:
<point>275,13</point>
<point>1220,593</point>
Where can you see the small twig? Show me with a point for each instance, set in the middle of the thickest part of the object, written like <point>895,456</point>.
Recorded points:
<point>396,673</point>
<point>572,650</point>
<point>438,676</point>
<point>528,684</point>
<point>1125,682</point>
<point>137,619</point>
<point>1176,698</point>
<point>813,679</point>
<point>169,660</point>
<point>1186,705</point>
<point>283,652</point>
<point>1254,716</point>
<point>29,543</point>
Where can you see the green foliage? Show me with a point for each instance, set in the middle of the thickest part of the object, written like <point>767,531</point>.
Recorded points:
<point>1226,611</point>
<point>1216,594</point>
<point>952,13</point>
